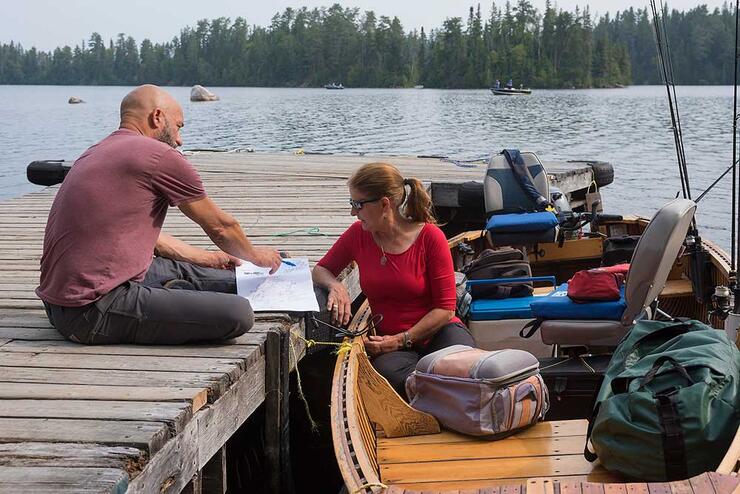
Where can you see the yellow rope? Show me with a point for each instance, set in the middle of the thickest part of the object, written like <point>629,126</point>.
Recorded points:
<point>344,348</point>
<point>369,485</point>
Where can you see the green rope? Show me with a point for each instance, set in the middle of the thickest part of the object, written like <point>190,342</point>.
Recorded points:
<point>314,230</point>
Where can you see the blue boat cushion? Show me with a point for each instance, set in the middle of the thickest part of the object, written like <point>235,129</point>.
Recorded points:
<point>522,222</point>
<point>498,309</point>
<point>557,305</point>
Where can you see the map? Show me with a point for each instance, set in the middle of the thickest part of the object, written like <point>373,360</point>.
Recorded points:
<point>289,289</point>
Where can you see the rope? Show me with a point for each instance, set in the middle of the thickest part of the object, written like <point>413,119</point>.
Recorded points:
<point>464,163</point>
<point>299,383</point>
<point>369,485</point>
<point>342,348</point>
<point>314,230</point>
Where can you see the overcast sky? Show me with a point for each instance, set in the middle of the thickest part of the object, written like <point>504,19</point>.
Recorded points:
<point>50,23</point>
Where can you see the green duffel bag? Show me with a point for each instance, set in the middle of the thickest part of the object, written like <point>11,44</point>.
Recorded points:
<point>668,407</point>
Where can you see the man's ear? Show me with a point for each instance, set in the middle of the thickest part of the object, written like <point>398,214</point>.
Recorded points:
<point>156,118</point>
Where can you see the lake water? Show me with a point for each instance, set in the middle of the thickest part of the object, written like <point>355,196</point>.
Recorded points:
<point>628,127</point>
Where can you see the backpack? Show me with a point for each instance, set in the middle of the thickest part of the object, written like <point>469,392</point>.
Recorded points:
<point>478,392</point>
<point>594,285</point>
<point>505,262</point>
<point>668,408</point>
<point>462,296</point>
<point>618,250</point>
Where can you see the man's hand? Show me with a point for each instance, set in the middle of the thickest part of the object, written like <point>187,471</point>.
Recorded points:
<point>219,260</point>
<point>378,345</point>
<point>267,258</point>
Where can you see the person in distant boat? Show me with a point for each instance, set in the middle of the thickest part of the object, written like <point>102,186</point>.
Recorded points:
<point>108,272</point>
<point>510,84</point>
<point>406,271</point>
<point>497,85</point>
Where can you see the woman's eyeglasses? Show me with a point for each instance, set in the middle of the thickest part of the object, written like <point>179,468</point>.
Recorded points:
<point>358,204</point>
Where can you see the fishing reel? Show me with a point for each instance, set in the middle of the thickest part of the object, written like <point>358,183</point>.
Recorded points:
<point>722,302</point>
<point>572,221</point>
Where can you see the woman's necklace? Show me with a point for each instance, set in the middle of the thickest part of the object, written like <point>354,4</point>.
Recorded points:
<point>383,258</point>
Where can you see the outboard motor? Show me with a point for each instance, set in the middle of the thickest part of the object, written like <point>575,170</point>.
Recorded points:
<point>558,200</point>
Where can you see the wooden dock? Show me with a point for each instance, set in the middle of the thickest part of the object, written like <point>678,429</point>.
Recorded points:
<point>126,418</point>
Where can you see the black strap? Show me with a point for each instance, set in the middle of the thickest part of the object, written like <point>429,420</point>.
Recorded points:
<point>674,446</point>
<point>587,453</point>
<point>533,326</point>
<point>519,169</point>
<point>658,364</point>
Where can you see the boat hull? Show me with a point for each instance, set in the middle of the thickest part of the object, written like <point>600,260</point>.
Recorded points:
<point>511,92</point>
<point>371,459</point>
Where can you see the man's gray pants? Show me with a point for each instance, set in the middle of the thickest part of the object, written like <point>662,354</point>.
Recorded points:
<point>148,313</point>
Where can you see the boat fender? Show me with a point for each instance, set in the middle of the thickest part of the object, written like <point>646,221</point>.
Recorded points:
<point>47,172</point>
<point>603,172</point>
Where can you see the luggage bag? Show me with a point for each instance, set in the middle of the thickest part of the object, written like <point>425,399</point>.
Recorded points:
<point>573,383</point>
<point>480,393</point>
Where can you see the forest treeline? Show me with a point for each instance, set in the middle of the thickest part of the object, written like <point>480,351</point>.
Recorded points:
<point>311,47</point>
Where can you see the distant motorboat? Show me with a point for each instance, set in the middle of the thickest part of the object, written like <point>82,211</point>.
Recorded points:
<point>334,85</point>
<point>510,91</point>
<point>419,86</point>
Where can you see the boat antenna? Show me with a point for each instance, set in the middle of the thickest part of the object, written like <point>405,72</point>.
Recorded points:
<point>666,66</point>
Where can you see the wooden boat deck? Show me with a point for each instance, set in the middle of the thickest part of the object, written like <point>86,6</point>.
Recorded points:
<point>126,418</point>
<point>460,461</point>
<point>520,464</point>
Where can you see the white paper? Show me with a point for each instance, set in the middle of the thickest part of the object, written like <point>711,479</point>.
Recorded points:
<point>289,289</point>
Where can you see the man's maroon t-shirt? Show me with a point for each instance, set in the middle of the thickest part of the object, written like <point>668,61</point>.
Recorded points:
<point>107,216</point>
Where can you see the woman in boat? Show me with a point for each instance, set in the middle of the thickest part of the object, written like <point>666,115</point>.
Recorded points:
<point>405,269</point>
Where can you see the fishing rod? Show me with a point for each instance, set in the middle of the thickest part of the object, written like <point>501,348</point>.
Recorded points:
<point>701,282</point>
<point>732,322</point>
<point>734,244</point>
<point>726,300</point>
<point>666,66</point>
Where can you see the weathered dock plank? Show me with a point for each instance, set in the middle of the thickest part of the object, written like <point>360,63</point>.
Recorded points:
<point>62,480</point>
<point>150,436</point>
<point>33,454</point>
<point>194,397</point>
<point>175,415</point>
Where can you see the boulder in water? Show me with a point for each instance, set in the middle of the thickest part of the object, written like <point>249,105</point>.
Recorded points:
<point>74,100</point>
<point>199,93</point>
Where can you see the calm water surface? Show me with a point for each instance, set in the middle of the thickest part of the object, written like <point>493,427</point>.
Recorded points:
<point>628,127</point>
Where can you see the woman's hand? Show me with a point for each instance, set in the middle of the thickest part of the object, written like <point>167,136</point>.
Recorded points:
<point>378,345</point>
<point>338,304</point>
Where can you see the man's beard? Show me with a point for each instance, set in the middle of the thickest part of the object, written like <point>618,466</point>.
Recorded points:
<point>165,136</point>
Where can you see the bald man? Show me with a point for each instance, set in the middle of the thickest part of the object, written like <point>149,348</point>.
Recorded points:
<point>108,273</point>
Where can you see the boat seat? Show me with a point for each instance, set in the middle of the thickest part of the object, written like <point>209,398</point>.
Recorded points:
<point>513,217</point>
<point>651,263</point>
<point>486,309</point>
<point>496,324</point>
